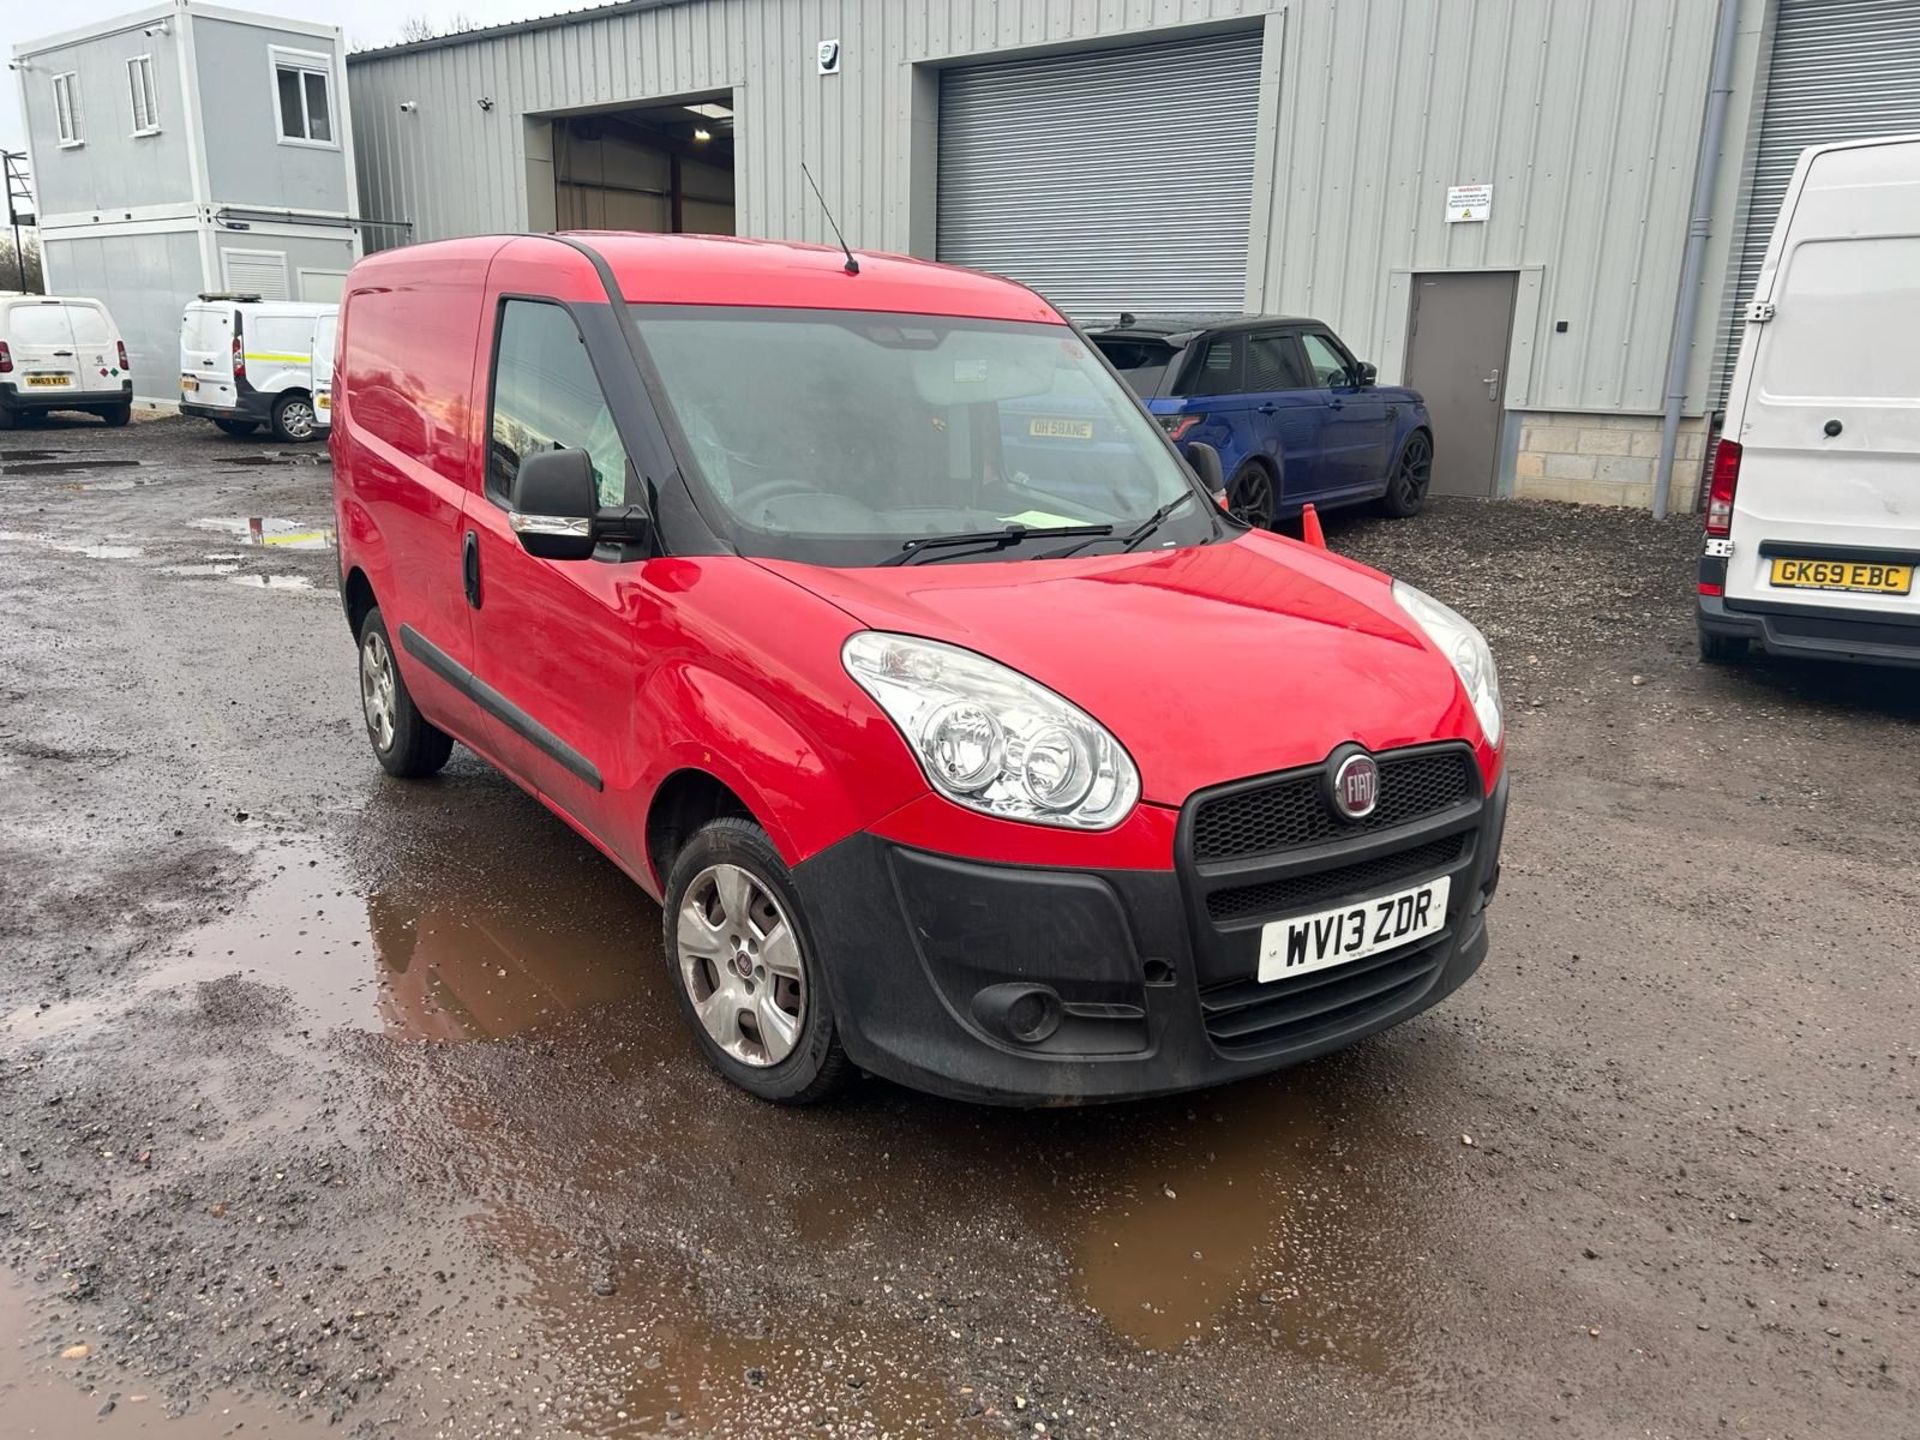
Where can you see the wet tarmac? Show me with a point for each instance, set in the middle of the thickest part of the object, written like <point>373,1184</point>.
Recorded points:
<point>333,1103</point>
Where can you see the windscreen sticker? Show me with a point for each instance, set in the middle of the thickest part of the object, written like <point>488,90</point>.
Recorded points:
<point>1035,518</point>
<point>969,372</point>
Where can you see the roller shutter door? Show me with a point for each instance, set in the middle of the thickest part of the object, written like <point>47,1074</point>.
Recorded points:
<point>1107,180</point>
<point>1841,70</point>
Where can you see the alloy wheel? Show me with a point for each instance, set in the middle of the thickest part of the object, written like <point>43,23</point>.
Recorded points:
<point>297,419</point>
<point>1416,470</point>
<point>741,963</point>
<point>1250,497</point>
<point>379,689</point>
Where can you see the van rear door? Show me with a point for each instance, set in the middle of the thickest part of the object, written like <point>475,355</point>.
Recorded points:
<point>1827,403</point>
<point>96,352</point>
<point>206,356</point>
<point>40,333</point>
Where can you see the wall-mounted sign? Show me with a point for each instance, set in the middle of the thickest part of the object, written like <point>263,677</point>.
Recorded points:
<point>829,57</point>
<point>1468,202</point>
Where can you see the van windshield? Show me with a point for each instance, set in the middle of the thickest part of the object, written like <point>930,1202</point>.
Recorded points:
<point>838,437</point>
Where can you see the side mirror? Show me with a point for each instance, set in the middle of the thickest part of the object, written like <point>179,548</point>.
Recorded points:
<point>552,504</point>
<point>1365,375</point>
<point>1205,461</point>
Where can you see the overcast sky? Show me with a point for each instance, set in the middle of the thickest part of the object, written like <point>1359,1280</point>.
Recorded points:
<point>367,22</point>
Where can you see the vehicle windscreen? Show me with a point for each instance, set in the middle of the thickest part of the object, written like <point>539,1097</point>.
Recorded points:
<point>1143,364</point>
<point>839,437</point>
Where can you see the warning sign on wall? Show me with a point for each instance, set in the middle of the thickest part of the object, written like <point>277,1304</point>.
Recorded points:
<point>1468,202</point>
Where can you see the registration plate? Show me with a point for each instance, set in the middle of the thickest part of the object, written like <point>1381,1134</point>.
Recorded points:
<point>1870,577</point>
<point>1048,429</point>
<point>48,380</point>
<point>188,384</point>
<point>1352,932</point>
<point>323,402</point>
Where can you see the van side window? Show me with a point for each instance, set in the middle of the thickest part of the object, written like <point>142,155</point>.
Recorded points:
<point>546,397</point>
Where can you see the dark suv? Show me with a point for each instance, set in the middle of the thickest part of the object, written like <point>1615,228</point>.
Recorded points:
<point>1294,416</point>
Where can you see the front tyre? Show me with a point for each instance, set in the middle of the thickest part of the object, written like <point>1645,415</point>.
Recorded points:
<point>744,967</point>
<point>404,741</point>
<point>1412,475</point>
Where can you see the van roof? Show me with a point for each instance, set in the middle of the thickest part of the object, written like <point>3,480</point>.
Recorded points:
<point>284,307</point>
<point>18,297</point>
<point>655,269</point>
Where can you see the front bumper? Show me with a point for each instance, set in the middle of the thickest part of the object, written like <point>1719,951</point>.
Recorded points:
<point>1813,632</point>
<point>921,952</point>
<point>15,396</point>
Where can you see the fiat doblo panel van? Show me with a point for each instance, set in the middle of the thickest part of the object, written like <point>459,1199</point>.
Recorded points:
<point>766,569</point>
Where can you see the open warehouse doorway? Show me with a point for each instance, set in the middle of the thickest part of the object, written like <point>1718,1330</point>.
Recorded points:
<point>657,167</point>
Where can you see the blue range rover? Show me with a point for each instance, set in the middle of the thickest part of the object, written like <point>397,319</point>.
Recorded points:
<point>1294,416</point>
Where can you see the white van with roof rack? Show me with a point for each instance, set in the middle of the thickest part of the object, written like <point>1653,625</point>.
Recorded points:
<point>61,352</point>
<point>247,362</point>
<point>1813,508</point>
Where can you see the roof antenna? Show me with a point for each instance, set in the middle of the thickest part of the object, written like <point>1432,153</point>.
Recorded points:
<point>853,265</point>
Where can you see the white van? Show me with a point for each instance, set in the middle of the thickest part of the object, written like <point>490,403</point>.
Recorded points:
<point>61,352</point>
<point>1813,513</point>
<point>247,362</point>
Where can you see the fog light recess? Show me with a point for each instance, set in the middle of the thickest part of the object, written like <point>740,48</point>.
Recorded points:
<point>1027,1014</point>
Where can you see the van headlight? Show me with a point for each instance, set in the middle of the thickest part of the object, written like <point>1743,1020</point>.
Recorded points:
<point>1464,645</point>
<point>991,739</point>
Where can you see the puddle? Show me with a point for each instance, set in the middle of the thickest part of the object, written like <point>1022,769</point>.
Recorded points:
<point>91,549</point>
<point>448,954</point>
<point>14,466</point>
<point>271,582</point>
<point>41,1400</point>
<point>269,530</point>
<point>207,570</point>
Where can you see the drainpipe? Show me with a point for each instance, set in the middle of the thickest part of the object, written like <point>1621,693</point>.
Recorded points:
<point>1706,167</point>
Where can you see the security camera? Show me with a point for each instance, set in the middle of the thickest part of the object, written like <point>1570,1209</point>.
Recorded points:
<point>152,30</point>
<point>407,107</point>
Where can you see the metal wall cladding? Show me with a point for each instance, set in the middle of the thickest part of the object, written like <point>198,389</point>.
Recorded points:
<point>451,168</point>
<point>1120,180</point>
<point>1584,115</point>
<point>1841,70</point>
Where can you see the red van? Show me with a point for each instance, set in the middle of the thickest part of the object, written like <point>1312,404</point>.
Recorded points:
<point>786,580</point>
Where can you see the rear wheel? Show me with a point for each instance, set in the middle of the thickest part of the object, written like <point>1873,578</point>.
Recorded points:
<point>1412,474</point>
<point>236,428</point>
<point>744,966</point>
<point>117,414</point>
<point>1252,495</point>
<point>404,741</point>
<point>1722,649</point>
<point>293,420</point>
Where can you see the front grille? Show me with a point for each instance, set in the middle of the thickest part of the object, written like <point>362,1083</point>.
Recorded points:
<point>1249,1019</point>
<point>1293,810</point>
<point>1275,897</point>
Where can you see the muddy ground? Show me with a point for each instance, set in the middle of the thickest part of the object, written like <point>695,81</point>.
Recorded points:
<point>331,1102</point>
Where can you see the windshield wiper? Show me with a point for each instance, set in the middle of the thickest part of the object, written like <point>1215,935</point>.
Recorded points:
<point>1154,521</point>
<point>989,539</point>
<point>1134,536</point>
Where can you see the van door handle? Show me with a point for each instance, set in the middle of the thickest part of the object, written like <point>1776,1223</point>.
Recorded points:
<point>470,568</point>
<point>1268,409</point>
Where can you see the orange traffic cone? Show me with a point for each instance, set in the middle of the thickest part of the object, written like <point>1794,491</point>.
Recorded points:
<point>1310,527</point>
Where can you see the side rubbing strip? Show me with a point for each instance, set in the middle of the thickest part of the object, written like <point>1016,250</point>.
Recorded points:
<point>497,705</point>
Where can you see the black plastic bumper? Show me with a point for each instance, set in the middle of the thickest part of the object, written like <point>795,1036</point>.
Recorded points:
<point>933,963</point>
<point>254,405</point>
<point>1812,632</point>
<point>14,396</point>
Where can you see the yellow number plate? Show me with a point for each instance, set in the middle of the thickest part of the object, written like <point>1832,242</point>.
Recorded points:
<point>1060,429</point>
<point>188,384</point>
<point>59,380</point>
<point>323,402</point>
<point>1865,576</point>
